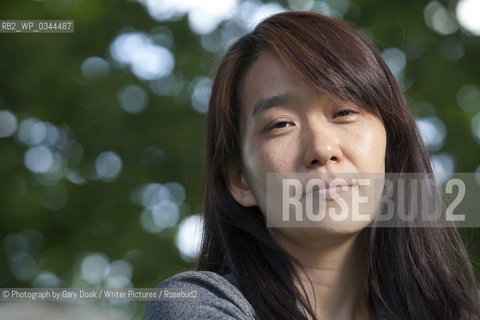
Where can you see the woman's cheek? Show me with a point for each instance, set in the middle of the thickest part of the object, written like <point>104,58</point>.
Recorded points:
<point>276,157</point>
<point>370,157</point>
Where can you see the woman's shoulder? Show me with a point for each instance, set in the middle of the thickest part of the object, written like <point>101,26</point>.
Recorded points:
<point>201,295</point>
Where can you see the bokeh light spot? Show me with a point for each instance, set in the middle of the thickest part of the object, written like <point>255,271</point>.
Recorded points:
<point>251,13</point>
<point>301,5</point>
<point>152,194</point>
<point>209,14</point>
<point>477,175</point>
<point>468,13</point>
<point>203,16</point>
<point>15,243</point>
<point>171,85</point>
<point>108,166</point>
<point>452,49</point>
<point>146,59</point>
<point>189,237</point>
<point>8,123</point>
<point>439,19</point>
<point>201,94</point>
<point>46,279</point>
<point>396,60</point>
<point>177,192</point>
<point>32,131</point>
<point>433,132</point>
<point>443,166</point>
<point>23,266</point>
<point>152,155</point>
<point>119,274</point>
<point>165,214</point>
<point>468,98</point>
<point>95,67</point>
<point>147,223</point>
<point>476,126</point>
<point>132,98</point>
<point>162,36</point>
<point>94,267</point>
<point>39,159</point>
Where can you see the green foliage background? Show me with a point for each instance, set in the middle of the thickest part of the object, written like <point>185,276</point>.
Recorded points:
<point>41,77</point>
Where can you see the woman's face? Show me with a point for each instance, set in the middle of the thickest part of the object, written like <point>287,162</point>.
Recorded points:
<point>288,127</point>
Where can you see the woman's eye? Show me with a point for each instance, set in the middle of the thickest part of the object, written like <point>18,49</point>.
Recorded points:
<point>279,125</point>
<point>344,113</point>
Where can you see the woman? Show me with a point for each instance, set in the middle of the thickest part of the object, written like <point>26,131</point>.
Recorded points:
<point>304,93</point>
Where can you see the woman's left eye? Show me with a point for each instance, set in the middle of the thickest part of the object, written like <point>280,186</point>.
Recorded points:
<point>344,113</point>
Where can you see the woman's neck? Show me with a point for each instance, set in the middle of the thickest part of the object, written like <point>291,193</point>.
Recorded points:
<point>337,267</point>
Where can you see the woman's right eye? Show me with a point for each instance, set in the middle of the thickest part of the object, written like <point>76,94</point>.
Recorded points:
<point>279,125</point>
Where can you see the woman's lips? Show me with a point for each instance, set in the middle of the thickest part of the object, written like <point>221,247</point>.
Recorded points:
<point>330,192</point>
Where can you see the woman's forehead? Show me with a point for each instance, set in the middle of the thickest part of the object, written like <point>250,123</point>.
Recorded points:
<point>266,77</point>
<point>269,81</point>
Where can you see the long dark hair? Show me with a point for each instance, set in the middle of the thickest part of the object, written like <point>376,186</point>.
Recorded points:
<point>415,273</point>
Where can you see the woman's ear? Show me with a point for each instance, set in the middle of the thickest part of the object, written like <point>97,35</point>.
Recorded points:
<point>238,186</point>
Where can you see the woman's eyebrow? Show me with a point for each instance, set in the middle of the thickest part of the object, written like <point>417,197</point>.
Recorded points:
<point>265,103</point>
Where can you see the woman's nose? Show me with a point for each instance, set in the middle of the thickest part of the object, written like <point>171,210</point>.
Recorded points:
<point>321,147</point>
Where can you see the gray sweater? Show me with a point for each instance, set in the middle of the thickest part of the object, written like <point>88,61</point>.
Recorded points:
<point>203,295</point>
